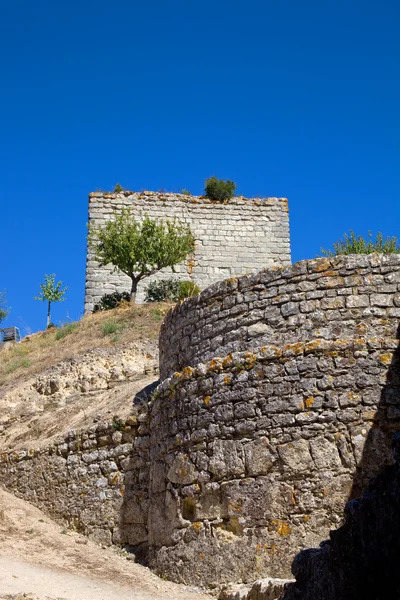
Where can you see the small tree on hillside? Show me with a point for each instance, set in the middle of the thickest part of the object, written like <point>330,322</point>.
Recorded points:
<point>51,292</point>
<point>3,306</point>
<point>140,248</point>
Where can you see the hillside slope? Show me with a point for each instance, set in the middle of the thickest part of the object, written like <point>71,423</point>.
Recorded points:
<point>72,377</point>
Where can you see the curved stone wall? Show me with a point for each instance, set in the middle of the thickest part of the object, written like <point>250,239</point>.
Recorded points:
<point>336,298</point>
<point>253,455</point>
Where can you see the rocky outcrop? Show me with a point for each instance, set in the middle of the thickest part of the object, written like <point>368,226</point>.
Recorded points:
<point>263,589</point>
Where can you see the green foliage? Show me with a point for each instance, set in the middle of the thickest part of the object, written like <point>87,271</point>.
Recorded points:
<point>112,326</point>
<point>162,290</point>
<point>66,330</point>
<point>187,289</point>
<point>185,192</point>
<point>51,292</point>
<point>352,244</point>
<point>219,189</point>
<point>20,363</point>
<point>170,290</point>
<point>110,301</point>
<point>3,306</point>
<point>142,247</point>
<point>118,188</point>
<point>117,423</point>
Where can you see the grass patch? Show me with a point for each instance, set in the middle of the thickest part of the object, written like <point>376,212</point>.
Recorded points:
<point>112,326</point>
<point>66,330</point>
<point>23,363</point>
<point>39,351</point>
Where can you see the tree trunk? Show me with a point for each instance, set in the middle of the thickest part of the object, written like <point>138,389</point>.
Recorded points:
<point>48,314</point>
<point>134,290</point>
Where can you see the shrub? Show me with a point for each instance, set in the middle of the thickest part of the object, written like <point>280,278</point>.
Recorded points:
<point>219,189</point>
<point>66,330</point>
<point>185,192</point>
<point>162,290</point>
<point>109,301</point>
<point>118,188</point>
<point>352,244</point>
<point>187,289</point>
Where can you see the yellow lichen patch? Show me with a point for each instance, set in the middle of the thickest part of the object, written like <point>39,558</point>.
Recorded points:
<point>306,518</point>
<point>329,274</point>
<point>201,555</point>
<point>313,345</point>
<point>361,328</point>
<point>294,349</point>
<point>235,507</point>
<point>197,526</point>
<point>115,478</point>
<point>207,400</point>
<point>271,351</point>
<point>368,415</point>
<point>187,372</point>
<point>309,402</point>
<point>385,359</point>
<point>293,498</point>
<point>360,344</point>
<point>227,379</point>
<point>227,362</point>
<point>215,365</point>
<point>319,265</point>
<point>281,527</point>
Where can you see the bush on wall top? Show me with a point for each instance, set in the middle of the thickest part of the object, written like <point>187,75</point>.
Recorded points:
<point>352,244</point>
<point>219,189</point>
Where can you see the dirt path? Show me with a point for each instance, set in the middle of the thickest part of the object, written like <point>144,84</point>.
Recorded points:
<point>42,560</point>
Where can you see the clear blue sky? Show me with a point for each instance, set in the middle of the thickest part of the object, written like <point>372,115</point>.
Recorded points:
<point>288,98</point>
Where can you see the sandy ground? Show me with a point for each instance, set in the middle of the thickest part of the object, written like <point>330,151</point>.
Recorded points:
<point>39,560</point>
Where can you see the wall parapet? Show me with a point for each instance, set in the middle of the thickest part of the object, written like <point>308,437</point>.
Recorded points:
<point>327,298</point>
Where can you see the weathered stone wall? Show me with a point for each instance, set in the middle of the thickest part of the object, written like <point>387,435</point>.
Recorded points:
<point>78,480</point>
<point>240,461</point>
<point>232,238</point>
<point>336,298</point>
<point>254,454</point>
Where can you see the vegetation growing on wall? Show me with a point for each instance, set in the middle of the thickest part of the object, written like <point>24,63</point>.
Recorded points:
<point>352,244</point>
<point>219,189</point>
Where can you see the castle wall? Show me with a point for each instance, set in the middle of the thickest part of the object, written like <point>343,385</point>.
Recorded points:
<point>78,480</point>
<point>241,236</point>
<point>246,454</point>
<point>254,454</point>
<point>328,298</point>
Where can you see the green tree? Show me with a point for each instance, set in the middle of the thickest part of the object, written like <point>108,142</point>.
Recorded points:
<point>51,292</point>
<point>3,306</point>
<point>140,247</point>
<point>356,244</point>
<point>219,189</point>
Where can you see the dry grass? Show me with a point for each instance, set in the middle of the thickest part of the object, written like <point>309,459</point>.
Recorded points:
<point>44,349</point>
